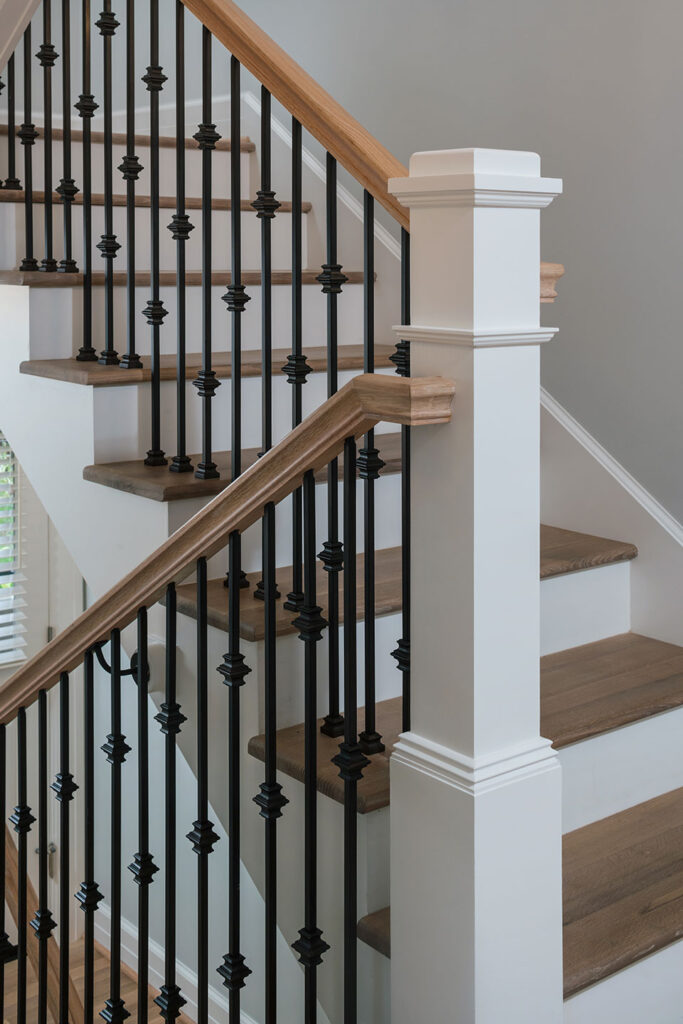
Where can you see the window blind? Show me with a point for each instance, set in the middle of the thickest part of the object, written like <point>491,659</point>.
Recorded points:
<point>12,593</point>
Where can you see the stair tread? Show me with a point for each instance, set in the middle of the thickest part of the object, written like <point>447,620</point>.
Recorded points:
<point>388,586</point>
<point>94,375</point>
<point>564,551</point>
<point>145,201</point>
<point>622,887</point>
<point>387,596</point>
<point>120,139</point>
<point>167,278</point>
<point>159,483</point>
<point>634,677</point>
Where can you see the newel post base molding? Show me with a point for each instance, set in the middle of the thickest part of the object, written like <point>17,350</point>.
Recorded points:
<point>476,882</point>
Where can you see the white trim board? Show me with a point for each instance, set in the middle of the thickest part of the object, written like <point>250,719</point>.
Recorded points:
<point>646,500</point>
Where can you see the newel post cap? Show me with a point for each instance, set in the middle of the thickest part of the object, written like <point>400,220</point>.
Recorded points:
<point>475,177</point>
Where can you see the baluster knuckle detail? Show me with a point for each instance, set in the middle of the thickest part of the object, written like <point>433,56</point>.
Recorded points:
<point>401,358</point>
<point>206,383</point>
<point>203,837</point>
<point>43,924</point>
<point>114,1011</point>
<point>115,748</point>
<point>89,897</point>
<point>108,246</point>
<point>107,23</point>
<point>332,279</point>
<point>234,669</point>
<point>265,204</point>
<point>155,78</point>
<point>86,106</point>
<point>170,1002</point>
<point>22,819</point>
<point>310,946</point>
<point>236,298</point>
<point>170,718</point>
<point>369,464</point>
<point>28,134</point>
<point>47,55</point>
<point>350,761</point>
<point>234,971</point>
<point>332,556</point>
<point>64,787</point>
<point>130,167</point>
<point>296,369</point>
<point>143,868</point>
<point>155,313</point>
<point>310,623</point>
<point>180,227</point>
<point>270,801</point>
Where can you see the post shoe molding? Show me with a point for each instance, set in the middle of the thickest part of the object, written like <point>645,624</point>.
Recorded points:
<point>476,177</point>
<point>474,339</point>
<point>479,774</point>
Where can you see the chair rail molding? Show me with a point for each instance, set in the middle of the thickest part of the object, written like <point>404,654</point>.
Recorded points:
<point>475,790</point>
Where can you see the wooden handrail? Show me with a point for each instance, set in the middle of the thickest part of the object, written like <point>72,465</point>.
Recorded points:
<point>370,163</point>
<point>355,409</point>
<point>348,141</point>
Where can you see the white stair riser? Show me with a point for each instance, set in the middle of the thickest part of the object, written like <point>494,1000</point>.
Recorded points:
<point>167,173</point>
<point>12,222</point>
<point>621,768</point>
<point>313,313</point>
<point>582,607</point>
<point>136,444</point>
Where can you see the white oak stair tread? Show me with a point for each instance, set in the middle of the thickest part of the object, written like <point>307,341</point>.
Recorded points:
<point>120,139</point>
<point>94,375</point>
<point>129,983</point>
<point>387,596</point>
<point>622,892</point>
<point>159,483</point>
<point>585,692</point>
<point>167,278</point>
<point>145,201</point>
<point>564,551</point>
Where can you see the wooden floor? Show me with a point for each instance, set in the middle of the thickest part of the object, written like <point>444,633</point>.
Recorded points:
<point>623,892</point>
<point>101,979</point>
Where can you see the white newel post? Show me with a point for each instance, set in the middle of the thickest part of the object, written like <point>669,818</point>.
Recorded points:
<point>476,883</point>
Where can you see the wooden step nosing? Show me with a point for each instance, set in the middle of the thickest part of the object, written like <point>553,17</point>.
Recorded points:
<point>140,140</point>
<point>120,200</point>
<point>167,278</point>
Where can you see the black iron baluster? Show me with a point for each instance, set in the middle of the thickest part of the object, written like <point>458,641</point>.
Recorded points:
<point>369,466</point>
<point>130,167</point>
<point>65,787</point>
<point>170,718</point>
<point>310,945</point>
<point>270,799</point>
<point>67,187</point>
<point>206,382</point>
<point>154,311</point>
<point>236,297</point>
<point>115,748</point>
<point>108,244</point>
<point>266,206</point>
<point>86,108</point>
<point>143,867</point>
<point>89,895</point>
<point>332,556</point>
<point>8,951</point>
<point>47,55</point>
<point>180,228</point>
<point>234,970</point>
<point>43,923</point>
<point>22,819</point>
<point>296,369</point>
<point>203,836</point>
<point>28,136</point>
<point>11,182</point>
<point>402,360</point>
<point>350,760</point>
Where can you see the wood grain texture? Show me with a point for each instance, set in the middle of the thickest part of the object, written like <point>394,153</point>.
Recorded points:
<point>356,408</point>
<point>145,202</point>
<point>167,278</point>
<point>129,992</point>
<point>550,275</point>
<point>159,483</point>
<point>622,892</point>
<point>387,596</point>
<point>564,551</point>
<point>97,376</point>
<point>585,691</point>
<point>32,946</point>
<point>119,139</point>
<point>591,689</point>
<point>353,146</point>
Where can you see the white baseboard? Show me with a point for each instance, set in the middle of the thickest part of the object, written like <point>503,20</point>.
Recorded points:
<point>187,978</point>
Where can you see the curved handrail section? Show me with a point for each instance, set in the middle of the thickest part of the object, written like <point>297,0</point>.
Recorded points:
<point>354,410</point>
<point>348,141</point>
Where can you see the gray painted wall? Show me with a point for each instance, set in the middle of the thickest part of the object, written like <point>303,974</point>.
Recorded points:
<point>596,89</point>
